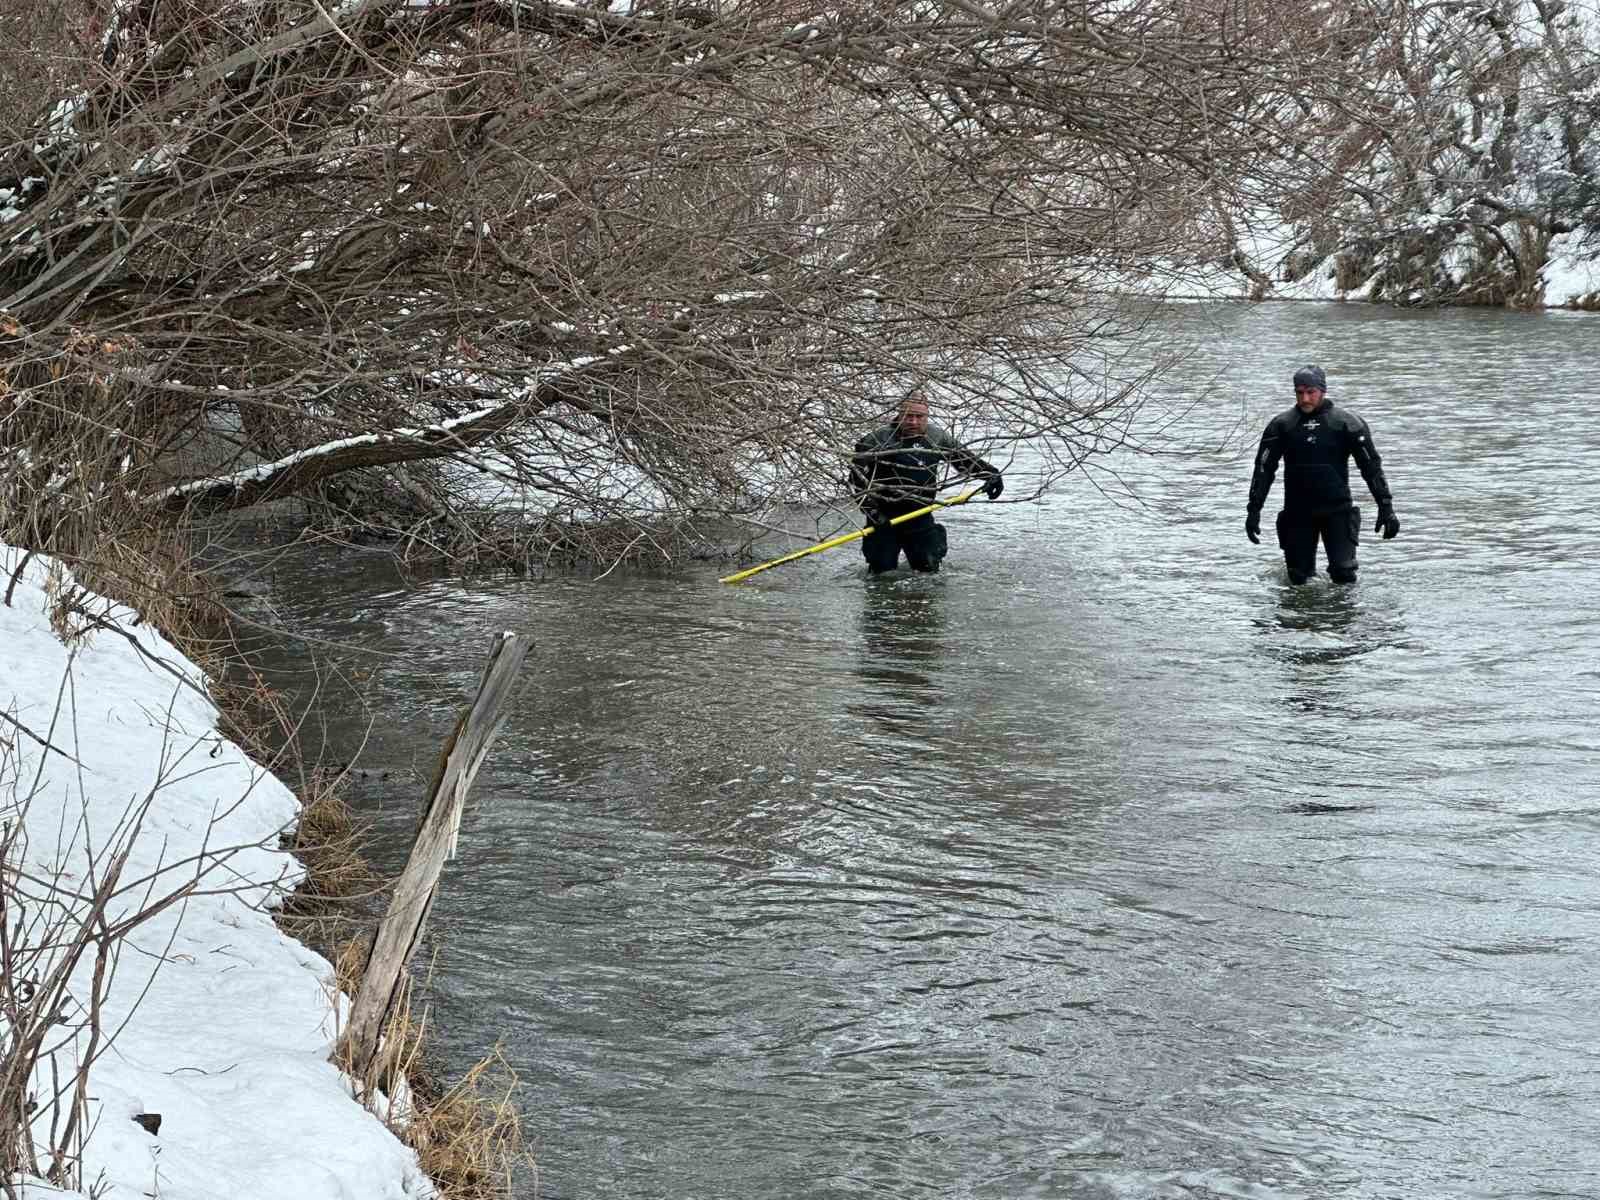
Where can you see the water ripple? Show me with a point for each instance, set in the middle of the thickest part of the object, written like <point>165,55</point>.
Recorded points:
<point>1103,865</point>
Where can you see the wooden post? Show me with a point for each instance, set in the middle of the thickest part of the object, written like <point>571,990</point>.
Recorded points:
<point>401,927</point>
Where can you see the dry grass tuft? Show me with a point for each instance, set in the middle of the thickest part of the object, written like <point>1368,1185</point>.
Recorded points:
<point>327,841</point>
<point>468,1137</point>
<point>350,963</point>
<point>469,1140</point>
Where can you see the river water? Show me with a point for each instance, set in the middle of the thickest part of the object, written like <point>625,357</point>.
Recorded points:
<point>1104,863</point>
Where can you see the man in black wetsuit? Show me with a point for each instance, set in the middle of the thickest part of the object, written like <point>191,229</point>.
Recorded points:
<point>896,470</point>
<point>1316,442</point>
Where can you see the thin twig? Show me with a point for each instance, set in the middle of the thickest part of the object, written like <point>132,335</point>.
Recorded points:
<point>4,716</point>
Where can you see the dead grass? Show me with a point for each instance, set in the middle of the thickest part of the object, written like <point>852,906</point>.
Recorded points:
<point>469,1140</point>
<point>468,1137</point>
<point>330,906</point>
<point>349,960</point>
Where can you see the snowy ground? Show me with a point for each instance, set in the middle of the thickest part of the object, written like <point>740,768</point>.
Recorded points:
<point>1569,275</point>
<point>228,1022</point>
<point>1572,274</point>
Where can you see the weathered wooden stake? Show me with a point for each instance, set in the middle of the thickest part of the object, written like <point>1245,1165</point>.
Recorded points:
<point>401,927</point>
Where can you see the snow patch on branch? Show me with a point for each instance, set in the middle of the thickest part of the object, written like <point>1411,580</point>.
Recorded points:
<point>438,431</point>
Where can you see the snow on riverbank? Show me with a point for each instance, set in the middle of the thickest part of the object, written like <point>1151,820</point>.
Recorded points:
<point>1571,277</point>
<point>228,1021</point>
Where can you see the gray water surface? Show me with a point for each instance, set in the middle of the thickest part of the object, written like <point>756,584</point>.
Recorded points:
<point>1104,863</point>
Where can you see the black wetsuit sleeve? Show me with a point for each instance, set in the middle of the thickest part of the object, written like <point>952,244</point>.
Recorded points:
<point>1267,456</point>
<point>1371,466</point>
<point>960,457</point>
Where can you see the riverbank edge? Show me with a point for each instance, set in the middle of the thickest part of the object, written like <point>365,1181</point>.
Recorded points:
<point>467,1136</point>
<point>1589,303</point>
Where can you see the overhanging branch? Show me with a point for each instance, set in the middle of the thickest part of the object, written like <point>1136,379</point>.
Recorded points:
<point>296,472</point>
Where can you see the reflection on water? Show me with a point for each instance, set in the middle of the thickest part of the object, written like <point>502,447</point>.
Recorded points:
<point>1323,607</point>
<point>1104,866</point>
<point>900,649</point>
<point>1318,635</point>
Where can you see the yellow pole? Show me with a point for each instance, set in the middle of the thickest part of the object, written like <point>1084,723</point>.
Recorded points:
<point>847,537</point>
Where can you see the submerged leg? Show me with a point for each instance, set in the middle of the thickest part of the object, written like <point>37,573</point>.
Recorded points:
<point>881,549</point>
<point>1341,533</point>
<point>926,544</point>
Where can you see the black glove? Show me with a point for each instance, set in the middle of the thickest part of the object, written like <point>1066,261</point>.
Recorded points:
<point>1252,525</point>
<point>875,518</point>
<point>1388,524</point>
<point>993,485</point>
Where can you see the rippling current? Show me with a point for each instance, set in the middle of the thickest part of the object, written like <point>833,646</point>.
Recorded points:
<point>1104,863</point>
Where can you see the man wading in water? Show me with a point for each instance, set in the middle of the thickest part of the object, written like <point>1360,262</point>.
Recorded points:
<point>1316,442</point>
<point>896,470</point>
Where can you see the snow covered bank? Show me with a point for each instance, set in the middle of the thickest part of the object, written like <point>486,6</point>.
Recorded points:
<point>222,1025</point>
<point>1571,276</point>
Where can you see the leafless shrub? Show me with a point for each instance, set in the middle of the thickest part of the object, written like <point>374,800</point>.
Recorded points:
<point>427,266</point>
<point>1452,145</point>
<point>63,929</point>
